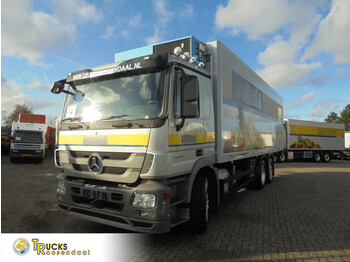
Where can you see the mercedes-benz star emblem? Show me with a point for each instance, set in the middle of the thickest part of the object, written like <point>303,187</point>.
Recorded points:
<point>95,164</point>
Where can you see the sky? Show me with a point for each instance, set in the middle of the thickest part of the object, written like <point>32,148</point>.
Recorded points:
<point>301,48</point>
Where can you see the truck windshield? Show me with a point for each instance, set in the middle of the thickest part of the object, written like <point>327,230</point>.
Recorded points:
<point>126,98</point>
<point>28,137</point>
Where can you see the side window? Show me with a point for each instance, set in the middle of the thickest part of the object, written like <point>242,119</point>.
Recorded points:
<point>177,93</point>
<point>186,95</point>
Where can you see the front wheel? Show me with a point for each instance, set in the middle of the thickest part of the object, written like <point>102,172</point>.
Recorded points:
<point>199,212</point>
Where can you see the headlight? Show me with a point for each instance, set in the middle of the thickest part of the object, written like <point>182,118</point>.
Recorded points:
<point>143,200</point>
<point>61,188</point>
<point>38,151</point>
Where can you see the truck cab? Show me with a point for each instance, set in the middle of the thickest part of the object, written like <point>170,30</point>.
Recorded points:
<point>28,141</point>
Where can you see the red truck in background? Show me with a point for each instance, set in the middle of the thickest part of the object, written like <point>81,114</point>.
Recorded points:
<point>39,119</point>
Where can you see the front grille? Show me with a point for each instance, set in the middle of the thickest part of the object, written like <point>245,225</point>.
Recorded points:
<point>117,167</point>
<point>104,155</point>
<point>26,146</point>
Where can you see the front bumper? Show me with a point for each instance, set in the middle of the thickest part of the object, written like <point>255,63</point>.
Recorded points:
<point>110,204</point>
<point>24,154</point>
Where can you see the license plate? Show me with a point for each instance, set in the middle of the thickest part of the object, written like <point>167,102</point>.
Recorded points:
<point>27,154</point>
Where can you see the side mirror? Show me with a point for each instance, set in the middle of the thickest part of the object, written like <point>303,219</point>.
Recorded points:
<point>79,96</point>
<point>190,96</point>
<point>58,87</point>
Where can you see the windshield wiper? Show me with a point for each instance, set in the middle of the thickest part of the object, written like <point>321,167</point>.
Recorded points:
<point>76,120</point>
<point>113,117</point>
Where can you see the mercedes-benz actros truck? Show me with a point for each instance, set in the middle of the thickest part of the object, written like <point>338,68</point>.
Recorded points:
<point>155,139</point>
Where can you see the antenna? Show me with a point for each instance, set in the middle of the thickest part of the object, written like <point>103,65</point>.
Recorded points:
<point>175,34</point>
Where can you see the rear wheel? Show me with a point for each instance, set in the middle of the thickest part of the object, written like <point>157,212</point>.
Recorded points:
<point>282,157</point>
<point>326,157</point>
<point>271,171</point>
<point>317,156</point>
<point>199,212</point>
<point>261,174</point>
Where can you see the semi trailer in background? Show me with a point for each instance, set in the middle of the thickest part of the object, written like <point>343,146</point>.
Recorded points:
<point>155,139</point>
<point>316,141</point>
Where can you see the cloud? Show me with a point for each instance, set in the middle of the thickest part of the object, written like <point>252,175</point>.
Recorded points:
<point>284,23</point>
<point>30,34</point>
<point>133,23</point>
<point>188,10</point>
<point>163,14</point>
<point>34,84</point>
<point>108,33</point>
<point>38,103</point>
<point>333,34</point>
<point>155,38</point>
<point>282,75</point>
<point>255,18</point>
<point>11,95</point>
<point>325,106</point>
<point>301,100</point>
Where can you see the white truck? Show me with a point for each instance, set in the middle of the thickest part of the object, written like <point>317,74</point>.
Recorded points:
<point>313,140</point>
<point>154,140</point>
<point>28,141</point>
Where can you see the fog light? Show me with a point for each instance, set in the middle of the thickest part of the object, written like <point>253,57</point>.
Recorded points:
<point>143,200</point>
<point>38,151</point>
<point>14,150</point>
<point>61,188</point>
<point>146,213</point>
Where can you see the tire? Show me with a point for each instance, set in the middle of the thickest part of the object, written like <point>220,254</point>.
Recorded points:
<point>199,212</point>
<point>282,157</point>
<point>326,157</point>
<point>261,174</point>
<point>271,171</point>
<point>317,157</point>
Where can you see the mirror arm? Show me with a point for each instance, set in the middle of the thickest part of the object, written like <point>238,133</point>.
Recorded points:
<point>67,92</point>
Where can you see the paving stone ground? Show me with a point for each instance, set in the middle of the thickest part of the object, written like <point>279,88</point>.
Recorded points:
<point>304,215</point>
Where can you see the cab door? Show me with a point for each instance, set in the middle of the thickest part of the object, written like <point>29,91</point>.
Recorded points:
<point>185,122</point>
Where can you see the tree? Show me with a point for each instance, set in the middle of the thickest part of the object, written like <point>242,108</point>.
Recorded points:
<point>332,118</point>
<point>345,117</point>
<point>13,116</point>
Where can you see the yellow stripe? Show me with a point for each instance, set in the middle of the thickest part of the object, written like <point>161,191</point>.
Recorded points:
<point>132,140</point>
<point>176,139</point>
<point>71,140</point>
<point>120,139</point>
<point>316,131</point>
